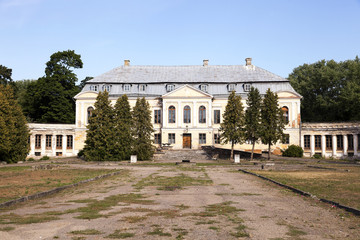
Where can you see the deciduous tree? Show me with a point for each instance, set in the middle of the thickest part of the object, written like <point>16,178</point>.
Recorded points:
<point>272,120</point>
<point>232,127</point>
<point>14,132</point>
<point>5,75</point>
<point>252,118</point>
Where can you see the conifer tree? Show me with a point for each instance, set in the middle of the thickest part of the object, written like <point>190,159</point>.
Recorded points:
<point>99,142</point>
<point>14,132</point>
<point>252,118</point>
<point>272,120</point>
<point>122,129</point>
<point>232,126</point>
<point>142,130</point>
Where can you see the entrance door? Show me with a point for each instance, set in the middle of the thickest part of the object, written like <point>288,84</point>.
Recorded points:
<point>187,140</point>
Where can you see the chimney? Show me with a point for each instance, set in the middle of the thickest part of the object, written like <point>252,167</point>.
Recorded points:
<point>205,63</point>
<point>248,61</point>
<point>126,62</point>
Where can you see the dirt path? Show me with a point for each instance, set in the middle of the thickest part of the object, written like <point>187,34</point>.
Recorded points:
<point>147,202</point>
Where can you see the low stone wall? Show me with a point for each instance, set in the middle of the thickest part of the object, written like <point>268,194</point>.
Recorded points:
<point>55,190</point>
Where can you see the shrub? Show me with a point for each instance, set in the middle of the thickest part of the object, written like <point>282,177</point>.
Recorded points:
<point>44,158</point>
<point>293,151</point>
<point>30,159</point>
<point>317,156</point>
<point>80,153</point>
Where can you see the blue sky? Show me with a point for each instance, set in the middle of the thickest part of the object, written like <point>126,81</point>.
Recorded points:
<point>278,34</point>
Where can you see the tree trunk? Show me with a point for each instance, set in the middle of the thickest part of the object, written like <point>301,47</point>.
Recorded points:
<point>232,152</point>
<point>252,151</point>
<point>269,152</point>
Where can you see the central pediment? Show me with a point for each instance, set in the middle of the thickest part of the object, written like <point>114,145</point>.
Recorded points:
<point>186,91</point>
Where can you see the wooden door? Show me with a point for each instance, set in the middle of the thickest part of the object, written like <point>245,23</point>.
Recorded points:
<point>187,141</point>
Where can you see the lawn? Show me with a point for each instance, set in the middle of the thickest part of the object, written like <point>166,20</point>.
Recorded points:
<point>23,181</point>
<point>341,184</point>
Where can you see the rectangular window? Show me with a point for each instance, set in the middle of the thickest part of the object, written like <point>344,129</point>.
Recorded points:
<point>142,87</point>
<point>350,142</point>
<point>48,141</point>
<point>157,138</point>
<point>307,141</point>
<point>247,87</point>
<point>157,116</point>
<point>171,138</point>
<point>59,141</point>
<point>202,138</point>
<point>107,88</point>
<point>203,88</point>
<point>328,142</point>
<point>217,138</point>
<point>339,141</point>
<point>317,141</point>
<point>231,87</point>
<point>127,87</point>
<point>69,141</point>
<point>286,139</point>
<point>37,141</point>
<point>94,88</point>
<point>170,87</point>
<point>216,116</point>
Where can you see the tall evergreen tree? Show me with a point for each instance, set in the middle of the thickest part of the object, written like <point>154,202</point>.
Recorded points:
<point>252,118</point>
<point>233,122</point>
<point>122,129</point>
<point>5,75</point>
<point>99,142</point>
<point>272,120</point>
<point>14,132</point>
<point>142,130</point>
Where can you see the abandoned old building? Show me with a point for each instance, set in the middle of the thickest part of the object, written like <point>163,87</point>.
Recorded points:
<point>187,103</point>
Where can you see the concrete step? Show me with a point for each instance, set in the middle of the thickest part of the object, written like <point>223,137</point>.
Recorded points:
<point>179,155</point>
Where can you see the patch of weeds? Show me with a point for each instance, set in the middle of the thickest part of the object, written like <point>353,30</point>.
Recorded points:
<point>294,231</point>
<point>14,169</point>
<point>92,210</point>
<point>260,205</point>
<point>172,183</point>
<point>205,222</point>
<point>78,238</point>
<point>134,219</point>
<point>224,184</point>
<point>192,168</point>
<point>181,233</point>
<point>240,231</point>
<point>214,228</point>
<point>159,232</point>
<point>119,234</point>
<point>245,194</point>
<point>182,207</point>
<point>86,200</point>
<point>167,213</point>
<point>28,219</point>
<point>86,232</point>
<point>264,217</point>
<point>7,229</point>
<point>276,239</point>
<point>221,208</point>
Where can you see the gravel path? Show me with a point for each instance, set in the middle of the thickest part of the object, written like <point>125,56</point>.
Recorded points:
<point>233,206</point>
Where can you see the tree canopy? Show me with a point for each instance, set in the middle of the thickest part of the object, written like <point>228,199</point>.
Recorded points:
<point>253,117</point>
<point>5,75</point>
<point>14,132</point>
<point>330,90</point>
<point>233,122</point>
<point>50,98</point>
<point>272,120</point>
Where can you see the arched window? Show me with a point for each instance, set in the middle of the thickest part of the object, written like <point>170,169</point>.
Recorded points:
<point>202,114</point>
<point>187,113</point>
<point>171,114</point>
<point>285,111</point>
<point>89,113</point>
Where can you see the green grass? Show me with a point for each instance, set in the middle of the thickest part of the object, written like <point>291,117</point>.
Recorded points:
<point>29,219</point>
<point>118,234</point>
<point>6,229</point>
<point>294,231</point>
<point>172,183</point>
<point>159,232</point>
<point>14,169</point>
<point>134,219</point>
<point>339,186</point>
<point>86,232</point>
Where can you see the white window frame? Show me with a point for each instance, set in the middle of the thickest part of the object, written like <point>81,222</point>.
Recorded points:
<point>231,87</point>
<point>127,87</point>
<point>247,87</point>
<point>142,87</point>
<point>203,87</point>
<point>107,88</point>
<point>94,88</point>
<point>170,87</point>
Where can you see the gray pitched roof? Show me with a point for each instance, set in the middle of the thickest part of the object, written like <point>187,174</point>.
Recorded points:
<point>187,74</point>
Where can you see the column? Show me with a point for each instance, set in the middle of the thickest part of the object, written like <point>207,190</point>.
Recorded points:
<point>178,118</point>
<point>164,114</point>
<point>195,110</point>
<point>302,142</point>
<point>345,142</point>
<point>32,144</point>
<point>312,145</point>
<point>53,144</point>
<point>64,143</point>
<point>334,145</point>
<point>323,145</point>
<point>209,120</point>
<point>83,115</point>
<point>43,137</point>
<point>293,116</point>
<point>356,141</point>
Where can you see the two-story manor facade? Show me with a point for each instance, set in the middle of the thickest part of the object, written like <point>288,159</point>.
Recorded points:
<point>187,102</point>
